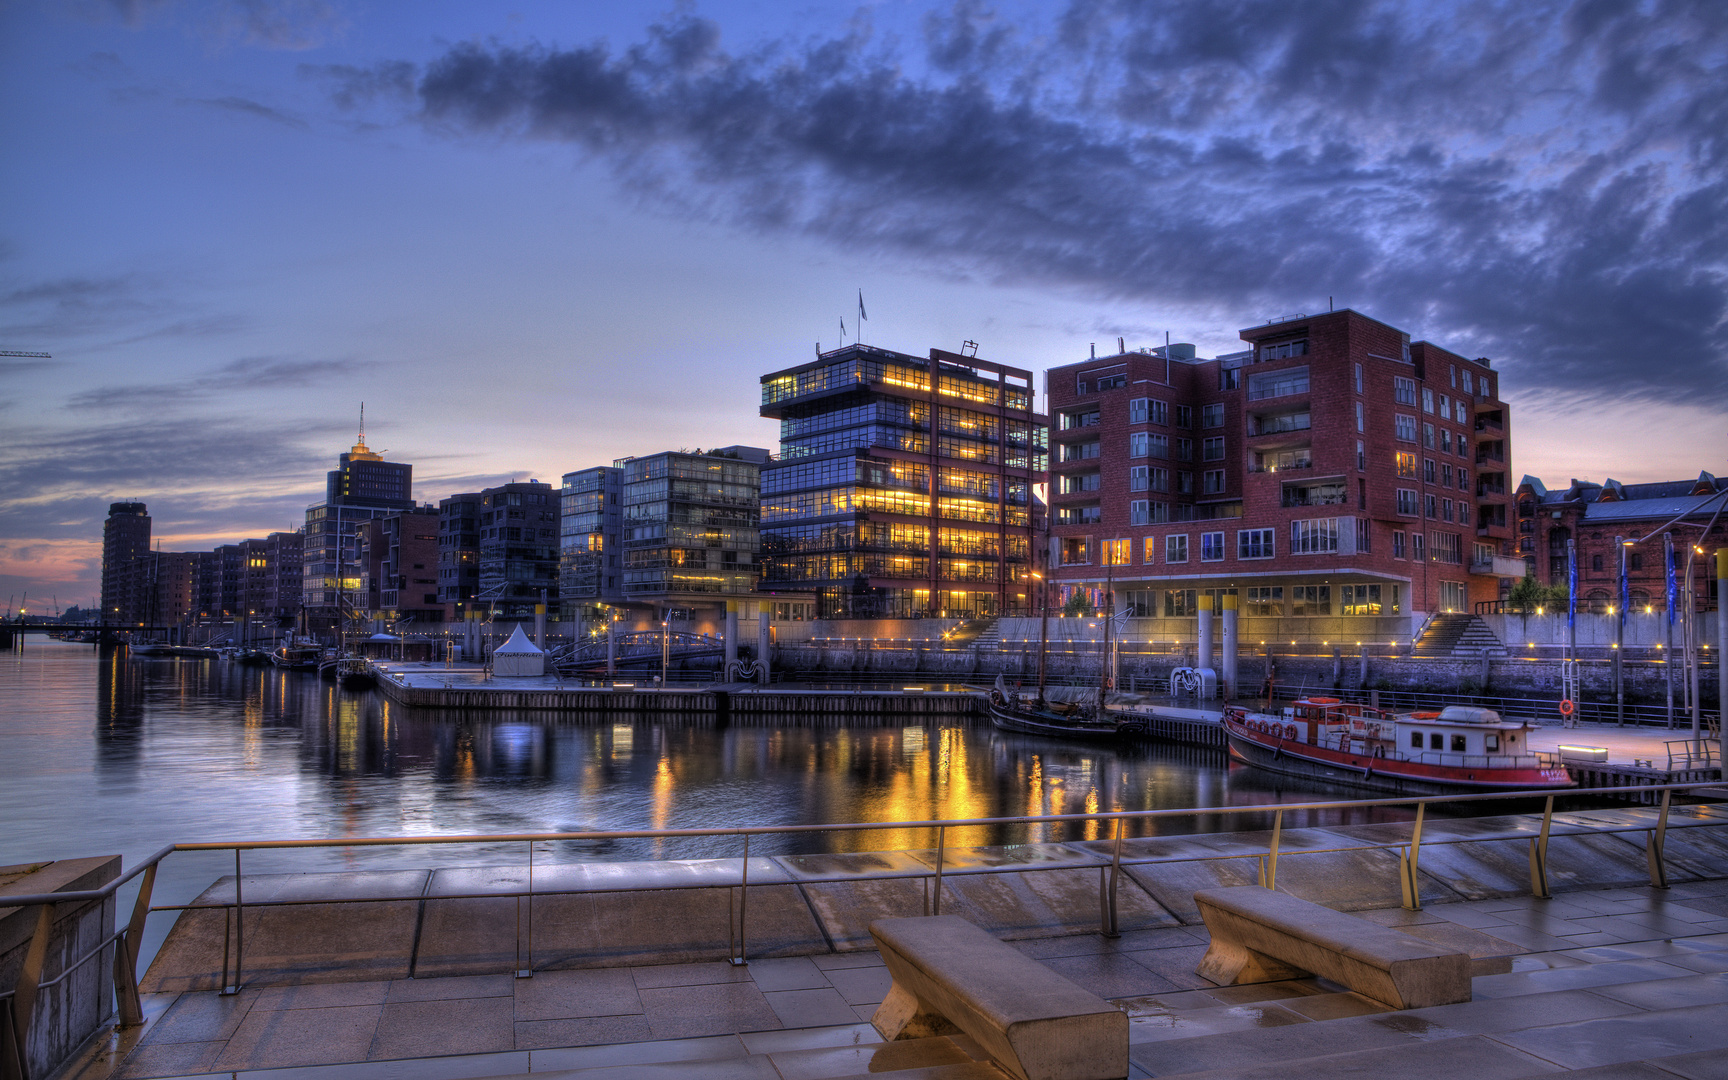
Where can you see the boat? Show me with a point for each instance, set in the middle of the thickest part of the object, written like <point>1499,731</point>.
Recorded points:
<point>149,648</point>
<point>355,673</point>
<point>1010,711</point>
<point>1459,749</point>
<point>297,657</point>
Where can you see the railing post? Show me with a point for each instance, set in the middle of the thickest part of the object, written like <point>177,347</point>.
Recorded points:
<point>25,990</point>
<point>526,971</point>
<point>1653,846</point>
<point>126,954</point>
<point>941,830</point>
<point>1269,864</point>
<point>1539,854</point>
<point>743,956</point>
<point>1108,896</point>
<point>1408,882</point>
<point>239,931</point>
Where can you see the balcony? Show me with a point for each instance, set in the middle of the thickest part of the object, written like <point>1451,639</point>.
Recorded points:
<point>1278,425</point>
<point>1498,565</point>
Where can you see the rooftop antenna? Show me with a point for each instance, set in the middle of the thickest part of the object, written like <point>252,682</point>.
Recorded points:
<point>362,436</point>
<point>969,348</point>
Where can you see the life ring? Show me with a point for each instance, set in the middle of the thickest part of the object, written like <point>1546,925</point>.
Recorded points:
<point>1566,707</point>
<point>1290,731</point>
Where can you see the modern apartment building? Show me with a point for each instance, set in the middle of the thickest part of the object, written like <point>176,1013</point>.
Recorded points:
<point>458,554</point>
<point>400,554</point>
<point>590,540</point>
<point>1333,470</point>
<point>125,539</point>
<point>1601,518</point>
<point>363,486</point>
<point>518,527</point>
<point>904,484</point>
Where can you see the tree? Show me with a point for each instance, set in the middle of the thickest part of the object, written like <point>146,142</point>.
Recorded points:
<point>1528,594</point>
<point>1080,603</point>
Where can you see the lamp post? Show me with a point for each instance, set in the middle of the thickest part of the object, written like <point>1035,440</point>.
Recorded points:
<point>1620,638</point>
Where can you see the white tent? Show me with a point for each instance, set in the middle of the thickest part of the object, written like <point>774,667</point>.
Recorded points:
<point>518,656</point>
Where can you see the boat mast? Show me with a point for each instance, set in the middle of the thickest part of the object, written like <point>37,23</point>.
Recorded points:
<point>1043,633</point>
<point>1108,663</point>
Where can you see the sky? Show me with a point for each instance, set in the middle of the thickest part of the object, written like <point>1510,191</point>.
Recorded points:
<point>536,237</point>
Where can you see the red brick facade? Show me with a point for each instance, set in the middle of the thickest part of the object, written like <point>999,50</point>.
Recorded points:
<point>1300,434</point>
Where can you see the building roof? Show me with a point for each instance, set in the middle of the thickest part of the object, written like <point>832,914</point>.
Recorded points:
<point>1644,509</point>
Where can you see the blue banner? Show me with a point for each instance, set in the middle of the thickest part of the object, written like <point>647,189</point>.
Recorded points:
<point>1673,586</point>
<point>1571,584</point>
<point>1625,589</point>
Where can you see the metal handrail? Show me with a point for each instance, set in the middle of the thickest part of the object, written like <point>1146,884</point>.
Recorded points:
<point>129,937</point>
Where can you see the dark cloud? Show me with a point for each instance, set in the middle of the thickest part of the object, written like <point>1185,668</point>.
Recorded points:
<point>352,86</point>
<point>1542,182</point>
<point>248,107</point>
<point>253,373</point>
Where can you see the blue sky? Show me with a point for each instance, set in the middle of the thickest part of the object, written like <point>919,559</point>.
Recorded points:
<point>536,237</point>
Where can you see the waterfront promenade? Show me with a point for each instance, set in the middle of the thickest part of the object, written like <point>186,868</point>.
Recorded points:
<point>1610,974</point>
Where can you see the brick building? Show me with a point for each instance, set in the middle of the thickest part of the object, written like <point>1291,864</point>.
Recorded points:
<point>400,553</point>
<point>904,484</point>
<point>1339,479</point>
<point>458,554</point>
<point>125,540</point>
<point>1599,516</point>
<point>518,555</point>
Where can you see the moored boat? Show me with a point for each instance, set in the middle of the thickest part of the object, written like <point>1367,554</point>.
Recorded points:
<point>1459,749</point>
<point>355,673</point>
<point>297,657</point>
<point>1009,711</point>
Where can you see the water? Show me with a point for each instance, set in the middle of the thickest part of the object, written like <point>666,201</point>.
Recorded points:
<point>113,754</point>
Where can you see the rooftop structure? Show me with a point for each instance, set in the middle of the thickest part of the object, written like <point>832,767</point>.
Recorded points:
<point>362,487</point>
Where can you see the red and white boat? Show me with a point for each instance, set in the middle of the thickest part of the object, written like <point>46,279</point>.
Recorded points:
<point>1458,749</point>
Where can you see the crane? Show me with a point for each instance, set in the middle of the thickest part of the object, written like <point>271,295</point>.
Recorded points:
<point>31,355</point>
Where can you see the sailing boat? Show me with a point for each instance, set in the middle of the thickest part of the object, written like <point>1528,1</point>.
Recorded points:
<point>1012,711</point>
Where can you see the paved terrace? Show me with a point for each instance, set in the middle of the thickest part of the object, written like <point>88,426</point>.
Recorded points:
<point>1612,978</point>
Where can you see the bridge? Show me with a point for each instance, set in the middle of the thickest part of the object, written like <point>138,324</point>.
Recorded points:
<point>636,649</point>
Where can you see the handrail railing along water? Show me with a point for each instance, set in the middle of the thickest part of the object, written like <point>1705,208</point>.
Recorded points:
<point>1113,829</point>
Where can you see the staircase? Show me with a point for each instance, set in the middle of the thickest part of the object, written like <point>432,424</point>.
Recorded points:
<point>978,633</point>
<point>1456,635</point>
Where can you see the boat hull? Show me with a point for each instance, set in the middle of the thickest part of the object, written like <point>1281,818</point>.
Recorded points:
<point>1025,722</point>
<point>1390,775</point>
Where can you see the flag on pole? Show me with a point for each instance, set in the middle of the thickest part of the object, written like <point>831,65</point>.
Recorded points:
<point>861,316</point>
<point>1673,584</point>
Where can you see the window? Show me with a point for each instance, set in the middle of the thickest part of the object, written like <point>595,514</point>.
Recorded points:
<point>1403,390</point>
<point>1463,447</point>
<point>1160,512</point>
<point>1311,600</point>
<point>1137,410</point>
<point>1254,544</point>
<point>1635,562</point>
<point>1184,449</point>
<point>1113,553</point>
<point>1428,436</point>
<point>1596,563</point>
<point>1427,470</point>
<point>1405,428</point>
<point>1212,415</point>
<point>1445,441</point>
<point>1361,456</point>
<point>1313,536</point>
<point>1266,600</point>
<point>1283,350</point>
<point>1212,547</point>
<point>1445,547</point>
<point>1078,418</point>
<point>1462,416</point>
<point>1079,515</point>
<point>1358,378</point>
<point>1459,743</point>
<point>1490,743</point>
<point>1416,547</point>
<point>1184,416</point>
<point>1212,449</point>
<point>1436,741</point>
<point>1076,550</point>
<point>1160,413</point>
<point>1274,460</point>
<point>1079,451</point>
<point>1139,444</point>
<point>1112,382</point>
<point>1178,603</point>
<point>1138,512</point>
<point>1137,478</point>
<point>1427,400</point>
<point>1415,740</point>
<point>1278,383</point>
<point>1229,378</point>
<point>1160,479</point>
<point>1453,596</point>
<point>1159,446</point>
<point>1445,407</point>
<point>1148,557</point>
<point>1406,466</point>
<point>1446,475</point>
<point>1361,600</point>
<point>1184,483</point>
<point>1074,482</point>
<point>1361,418</point>
<point>1430,506</point>
<point>1176,548</point>
<point>1212,482</point>
<point>1398,545</point>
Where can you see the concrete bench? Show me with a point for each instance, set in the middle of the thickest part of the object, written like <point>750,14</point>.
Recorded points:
<point>1259,935</point>
<point>950,976</point>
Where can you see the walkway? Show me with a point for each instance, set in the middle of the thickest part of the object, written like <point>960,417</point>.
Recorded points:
<point>1633,981</point>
